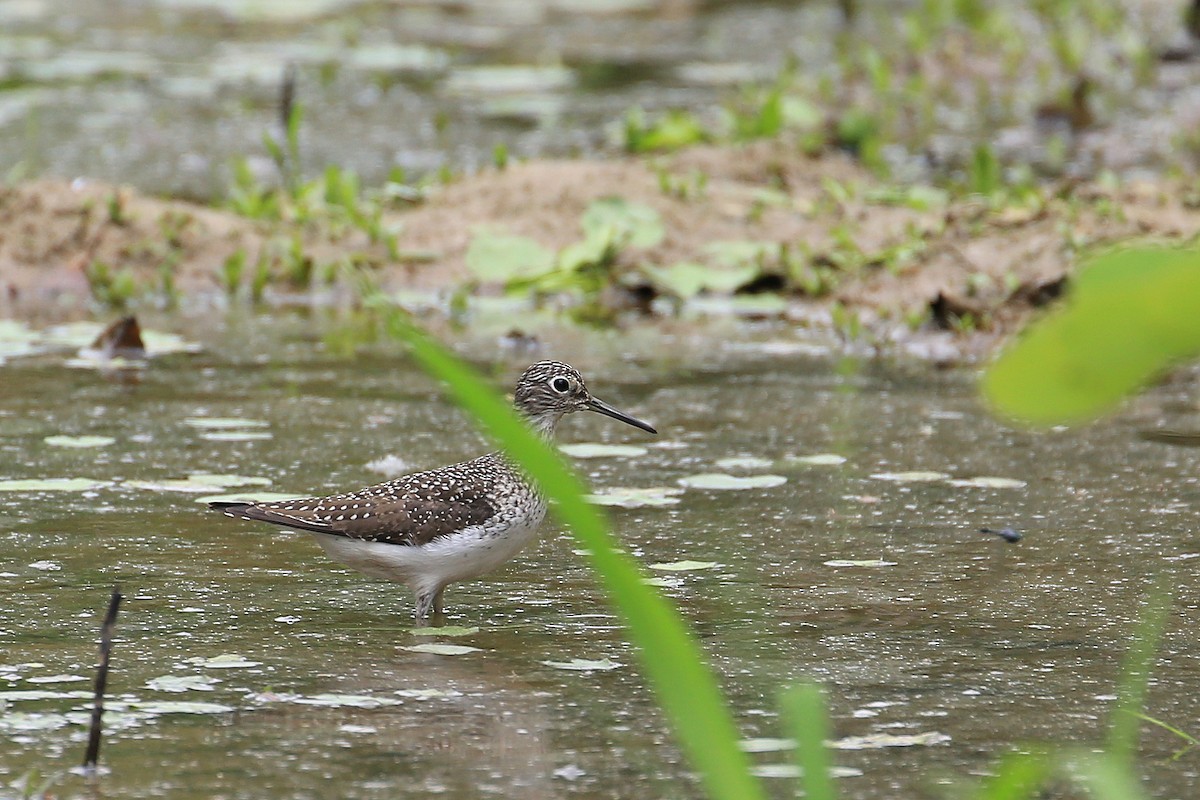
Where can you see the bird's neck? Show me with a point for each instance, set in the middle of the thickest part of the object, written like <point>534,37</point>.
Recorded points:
<point>543,424</point>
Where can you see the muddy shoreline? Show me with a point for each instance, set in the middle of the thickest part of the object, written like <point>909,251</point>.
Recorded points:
<point>989,263</point>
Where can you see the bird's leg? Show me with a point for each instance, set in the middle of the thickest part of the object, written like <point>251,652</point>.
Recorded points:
<point>437,600</point>
<point>425,603</point>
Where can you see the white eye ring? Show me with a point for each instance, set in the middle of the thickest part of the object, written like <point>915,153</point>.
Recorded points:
<point>560,385</point>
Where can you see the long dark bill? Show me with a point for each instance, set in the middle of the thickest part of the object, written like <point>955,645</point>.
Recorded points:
<point>601,407</point>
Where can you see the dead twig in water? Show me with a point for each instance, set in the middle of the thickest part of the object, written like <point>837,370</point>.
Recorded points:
<point>106,634</point>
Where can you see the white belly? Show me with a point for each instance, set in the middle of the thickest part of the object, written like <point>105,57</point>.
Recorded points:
<point>428,567</point>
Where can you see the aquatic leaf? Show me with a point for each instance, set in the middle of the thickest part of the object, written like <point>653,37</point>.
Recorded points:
<point>79,441</point>
<point>235,436</point>
<point>225,422</point>
<point>52,485</point>
<point>501,258</point>
<point>915,476</point>
<point>227,481</point>
<point>583,665</point>
<point>334,700</point>
<point>988,482</point>
<point>168,486</point>
<point>663,582</point>
<point>598,450</point>
<point>438,649</point>
<point>46,566</point>
<point>32,721</point>
<point>179,707</point>
<point>876,741</point>
<point>716,480</point>
<point>633,224</point>
<point>13,695</point>
<point>867,562</point>
<point>56,679</point>
<point>182,683</point>
<point>792,771</point>
<point>445,630</point>
<point>744,462</point>
<point>1130,314</point>
<point>687,279</point>
<point>509,79</point>
<point>818,460</point>
<point>159,343</point>
<point>683,566</point>
<point>428,694</point>
<point>225,661</point>
<point>248,497</point>
<point>631,497</point>
<point>766,745</point>
<point>738,253</point>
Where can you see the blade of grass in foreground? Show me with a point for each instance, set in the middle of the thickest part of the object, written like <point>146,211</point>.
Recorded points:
<point>685,686</point>
<point>1135,674</point>
<point>804,710</point>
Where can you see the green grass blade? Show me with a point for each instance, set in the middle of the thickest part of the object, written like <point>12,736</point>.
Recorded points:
<point>804,710</point>
<point>1020,776</point>
<point>1104,775</point>
<point>1135,674</point>
<point>685,686</point>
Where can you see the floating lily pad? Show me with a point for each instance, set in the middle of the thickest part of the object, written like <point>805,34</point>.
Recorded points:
<point>248,497</point>
<point>792,771</point>
<point>182,683</point>
<point>52,485</point>
<point>744,462</point>
<point>179,707</point>
<point>57,679</point>
<point>876,741</point>
<point>46,566</point>
<point>583,664</point>
<point>227,481</point>
<point>916,476</point>
<point>766,745</point>
<point>427,694</point>
<point>717,480</point>
<point>438,649</point>
<point>235,436</point>
<point>629,497</point>
<point>169,486</point>
<point>32,721</point>
<point>868,562</point>
<point>445,630</point>
<point>662,582</point>
<point>988,482</point>
<point>79,441</point>
<point>13,695</point>
<point>346,700</point>
<point>683,566</point>
<point>819,459</point>
<point>225,661</point>
<point>206,423</point>
<point>598,450</point>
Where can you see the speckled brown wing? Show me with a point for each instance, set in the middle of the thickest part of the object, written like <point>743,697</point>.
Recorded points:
<point>411,510</point>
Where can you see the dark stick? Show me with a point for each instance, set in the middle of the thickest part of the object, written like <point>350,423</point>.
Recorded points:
<point>106,634</point>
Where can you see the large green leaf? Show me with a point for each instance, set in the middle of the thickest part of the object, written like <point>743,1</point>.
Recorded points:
<point>1131,315</point>
<point>634,224</point>
<point>687,279</point>
<point>500,258</point>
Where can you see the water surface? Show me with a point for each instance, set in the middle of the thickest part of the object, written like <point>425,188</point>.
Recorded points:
<point>951,632</point>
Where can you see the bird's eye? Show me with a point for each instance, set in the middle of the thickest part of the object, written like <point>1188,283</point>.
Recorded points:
<point>560,385</point>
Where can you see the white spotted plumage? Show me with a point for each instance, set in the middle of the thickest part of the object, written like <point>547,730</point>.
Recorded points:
<point>429,529</point>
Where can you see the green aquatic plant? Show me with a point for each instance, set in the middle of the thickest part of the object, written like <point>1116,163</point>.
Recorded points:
<point>1129,316</point>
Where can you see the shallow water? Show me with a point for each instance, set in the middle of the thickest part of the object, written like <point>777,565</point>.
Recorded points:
<point>950,632</point>
<point>166,94</point>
